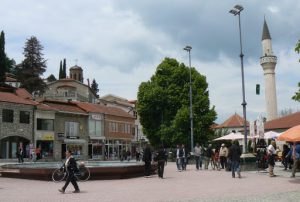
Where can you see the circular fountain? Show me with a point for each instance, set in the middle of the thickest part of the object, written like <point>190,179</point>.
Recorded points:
<point>98,169</point>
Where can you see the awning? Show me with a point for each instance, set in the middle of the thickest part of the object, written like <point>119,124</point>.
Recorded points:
<point>74,141</point>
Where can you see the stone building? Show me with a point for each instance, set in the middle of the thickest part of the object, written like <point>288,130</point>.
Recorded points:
<point>16,122</point>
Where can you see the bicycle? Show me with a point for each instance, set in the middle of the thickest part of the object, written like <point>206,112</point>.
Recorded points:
<point>60,174</point>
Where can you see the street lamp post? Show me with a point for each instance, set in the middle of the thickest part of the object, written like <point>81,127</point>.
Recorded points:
<point>237,11</point>
<point>188,49</point>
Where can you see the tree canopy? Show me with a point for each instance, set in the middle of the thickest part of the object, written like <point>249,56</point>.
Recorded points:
<point>94,88</point>
<point>296,97</point>
<point>2,59</point>
<point>51,78</point>
<point>163,105</point>
<point>33,66</point>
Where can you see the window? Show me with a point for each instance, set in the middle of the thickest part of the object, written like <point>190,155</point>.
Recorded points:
<point>24,117</point>
<point>45,124</point>
<point>8,115</point>
<point>72,129</point>
<point>95,127</point>
<point>127,128</point>
<point>113,127</point>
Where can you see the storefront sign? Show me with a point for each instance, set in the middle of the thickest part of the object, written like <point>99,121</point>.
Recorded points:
<point>97,116</point>
<point>48,137</point>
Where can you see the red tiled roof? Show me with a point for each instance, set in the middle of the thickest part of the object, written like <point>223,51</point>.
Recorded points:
<point>22,92</point>
<point>14,98</point>
<point>285,122</point>
<point>97,108</point>
<point>232,122</point>
<point>63,106</point>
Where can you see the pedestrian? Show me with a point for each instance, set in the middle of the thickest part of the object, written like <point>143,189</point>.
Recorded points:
<point>20,155</point>
<point>271,152</point>
<point>161,159</point>
<point>285,158</point>
<point>234,155</point>
<point>178,156</point>
<point>147,158</point>
<point>33,156</point>
<point>216,159</point>
<point>128,155</point>
<point>208,157</point>
<point>295,153</point>
<point>223,156</point>
<point>197,153</point>
<point>137,155</point>
<point>184,157</point>
<point>71,167</point>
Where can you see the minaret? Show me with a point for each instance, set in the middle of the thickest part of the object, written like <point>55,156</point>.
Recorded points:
<point>268,62</point>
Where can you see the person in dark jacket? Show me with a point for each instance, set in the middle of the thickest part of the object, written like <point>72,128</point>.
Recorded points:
<point>161,159</point>
<point>71,167</point>
<point>234,157</point>
<point>147,158</point>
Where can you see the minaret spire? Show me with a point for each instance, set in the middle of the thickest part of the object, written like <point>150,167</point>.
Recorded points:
<point>268,62</point>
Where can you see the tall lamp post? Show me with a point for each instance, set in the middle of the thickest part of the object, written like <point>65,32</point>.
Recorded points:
<point>237,11</point>
<point>188,49</point>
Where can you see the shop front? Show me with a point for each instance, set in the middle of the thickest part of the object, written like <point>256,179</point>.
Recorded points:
<point>44,145</point>
<point>115,148</point>
<point>96,148</point>
<point>77,146</point>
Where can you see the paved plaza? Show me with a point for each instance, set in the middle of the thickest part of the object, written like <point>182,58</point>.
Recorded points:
<point>190,185</point>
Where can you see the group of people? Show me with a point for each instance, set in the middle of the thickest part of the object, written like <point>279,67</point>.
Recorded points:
<point>290,157</point>
<point>34,154</point>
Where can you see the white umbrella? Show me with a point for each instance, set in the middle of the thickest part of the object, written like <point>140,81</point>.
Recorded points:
<point>231,136</point>
<point>269,135</point>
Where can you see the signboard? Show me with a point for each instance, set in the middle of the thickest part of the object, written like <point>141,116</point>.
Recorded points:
<point>47,137</point>
<point>97,116</point>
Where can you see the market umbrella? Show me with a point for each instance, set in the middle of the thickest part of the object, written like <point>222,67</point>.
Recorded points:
<point>231,136</point>
<point>291,135</point>
<point>269,135</point>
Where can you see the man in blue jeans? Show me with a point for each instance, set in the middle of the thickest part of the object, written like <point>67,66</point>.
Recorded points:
<point>234,156</point>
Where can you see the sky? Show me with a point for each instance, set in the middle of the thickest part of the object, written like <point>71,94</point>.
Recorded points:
<point>119,43</point>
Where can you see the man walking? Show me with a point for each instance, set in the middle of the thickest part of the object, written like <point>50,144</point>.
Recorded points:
<point>179,155</point>
<point>197,153</point>
<point>234,156</point>
<point>271,158</point>
<point>147,157</point>
<point>295,152</point>
<point>71,167</point>
<point>161,159</point>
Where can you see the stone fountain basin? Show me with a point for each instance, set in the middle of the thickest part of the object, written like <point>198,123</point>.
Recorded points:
<point>98,169</point>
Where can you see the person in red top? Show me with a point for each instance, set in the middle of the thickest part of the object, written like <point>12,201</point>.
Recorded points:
<point>216,160</point>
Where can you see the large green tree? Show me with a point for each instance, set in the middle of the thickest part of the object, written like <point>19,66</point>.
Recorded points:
<point>33,66</point>
<point>296,97</point>
<point>163,105</point>
<point>2,59</point>
<point>94,88</point>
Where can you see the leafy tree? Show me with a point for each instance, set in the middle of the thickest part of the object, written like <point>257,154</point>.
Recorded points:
<point>33,66</point>
<point>2,59</point>
<point>296,97</point>
<point>64,69</point>
<point>51,78</point>
<point>94,88</point>
<point>60,76</point>
<point>163,105</point>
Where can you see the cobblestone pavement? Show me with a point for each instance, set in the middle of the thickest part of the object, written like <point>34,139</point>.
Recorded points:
<point>190,185</point>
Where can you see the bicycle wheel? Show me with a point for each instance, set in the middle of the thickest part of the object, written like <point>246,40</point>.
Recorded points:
<point>83,174</point>
<point>59,174</point>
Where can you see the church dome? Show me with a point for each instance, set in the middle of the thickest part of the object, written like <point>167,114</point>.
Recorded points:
<point>76,67</point>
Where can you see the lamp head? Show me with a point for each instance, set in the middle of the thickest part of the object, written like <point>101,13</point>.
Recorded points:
<point>237,9</point>
<point>187,48</point>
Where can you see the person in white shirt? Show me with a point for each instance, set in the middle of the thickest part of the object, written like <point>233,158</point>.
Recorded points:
<point>271,158</point>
